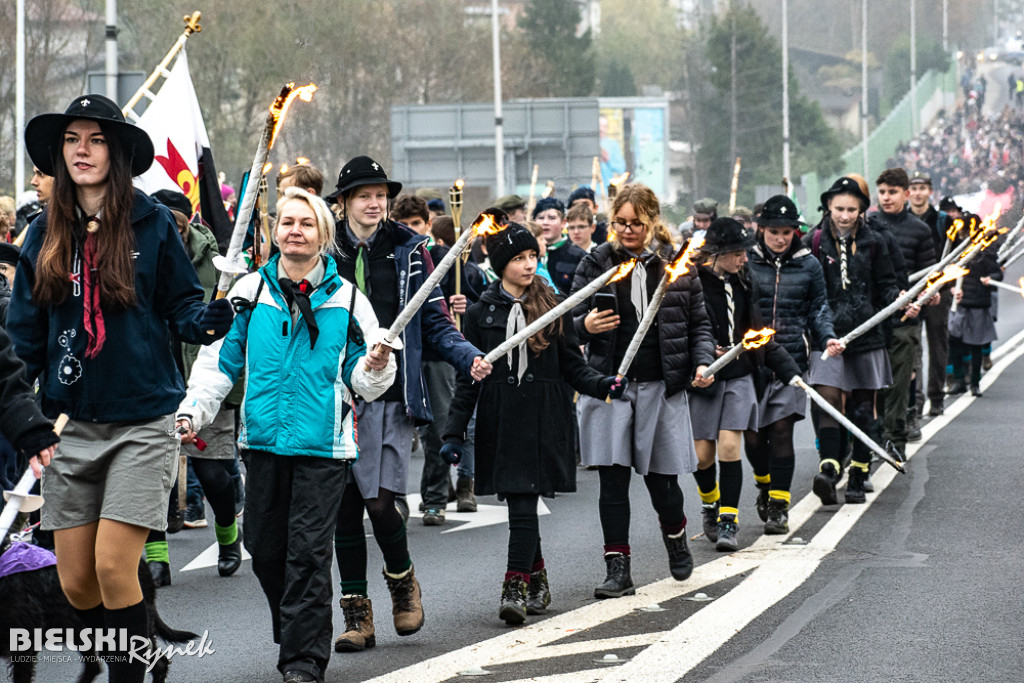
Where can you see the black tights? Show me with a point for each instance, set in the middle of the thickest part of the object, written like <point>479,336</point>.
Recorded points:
<point>388,529</point>
<point>860,408</point>
<point>770,451</point>
<point>524,553</point>
<point>218,487</point>
<point>666,497</point>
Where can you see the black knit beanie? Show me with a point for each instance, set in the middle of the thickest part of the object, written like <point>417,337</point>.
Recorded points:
<point>504,245</point>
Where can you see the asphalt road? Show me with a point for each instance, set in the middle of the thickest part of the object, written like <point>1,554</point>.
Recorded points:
<point>921,584</point>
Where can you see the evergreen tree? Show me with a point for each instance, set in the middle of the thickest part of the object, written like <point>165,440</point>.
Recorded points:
<point>563,61</point>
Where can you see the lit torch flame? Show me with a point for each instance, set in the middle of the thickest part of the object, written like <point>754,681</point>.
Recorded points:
<point>990,220</point>
<point>280,106</point>
<point>952,273</point>
<point>1021,283</point>
<point>619,179</point>
<point>681,266</point>
<point>459,184</point>
<point>624,270</point>
<point>486,225</point>
<point>301,161</point>
<point>757,338</point>
<point>951,233</point>
<point>267,166</point>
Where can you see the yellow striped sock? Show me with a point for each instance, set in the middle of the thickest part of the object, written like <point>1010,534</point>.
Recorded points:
<point>779,495</point>
<point>711,497</point>
<point>723,511</point>
<point>763,478</point>
<point>863,467</point>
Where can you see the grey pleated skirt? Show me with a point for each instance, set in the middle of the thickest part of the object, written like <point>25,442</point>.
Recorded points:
<point>863,370</point>
<point>974,326</point>
<point>645,430</point>
<point>779,401</point>
<point>732,406</point>
<point>384,438</point>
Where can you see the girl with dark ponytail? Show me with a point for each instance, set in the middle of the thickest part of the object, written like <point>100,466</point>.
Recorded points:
<point>527,450</point>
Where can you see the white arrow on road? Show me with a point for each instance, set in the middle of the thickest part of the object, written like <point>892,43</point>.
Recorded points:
<point>208,558</point>
<point>485,515</point>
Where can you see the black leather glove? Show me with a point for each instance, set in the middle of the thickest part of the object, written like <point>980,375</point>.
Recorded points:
<point>217,318</point>
<point>451,451</point>
<point>614,386</point>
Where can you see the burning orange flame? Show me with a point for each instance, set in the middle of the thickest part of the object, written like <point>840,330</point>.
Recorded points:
<point>681,266</point>
<point>267,166</point>
<point>1021,283</point>
<point>953,229</point>
<point>990,220</point>
<point>756,338</point>
<point>301,161</point>
<point>624,270</point>
<point>951,273</point>
<point>486,225</point>
<point>280,106</point>
<point>459,184</point>
<point>619,179</point>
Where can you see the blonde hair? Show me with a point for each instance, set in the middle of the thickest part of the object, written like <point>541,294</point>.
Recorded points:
<point>324,218</point>
<point>647,208</point>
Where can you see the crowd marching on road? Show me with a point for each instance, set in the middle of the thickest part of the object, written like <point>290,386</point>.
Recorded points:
<point>574,336</point>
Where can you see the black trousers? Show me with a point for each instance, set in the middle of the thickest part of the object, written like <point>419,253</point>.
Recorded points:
<point>436,477</point>
<point>936,325</point>
<point>291,504</point>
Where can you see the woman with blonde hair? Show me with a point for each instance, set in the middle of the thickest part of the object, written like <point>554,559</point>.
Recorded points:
<point>650,430</point>
<point>300,336</point>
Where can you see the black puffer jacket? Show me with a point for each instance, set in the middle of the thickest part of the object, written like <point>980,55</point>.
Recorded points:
<point>683,329</point>
<point>5,300</point>
<point>914,238</point>
<point>871,282</point>
<point>793,299</point>
<point>985,264</point>
<point>760,362</point>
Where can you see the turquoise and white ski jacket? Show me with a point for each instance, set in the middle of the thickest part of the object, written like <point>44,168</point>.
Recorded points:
<point>298,401</point>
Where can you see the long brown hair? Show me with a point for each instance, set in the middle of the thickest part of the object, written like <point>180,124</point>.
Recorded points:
<point>648,209</point>
<point>539,298</point>
<point>115,240</point>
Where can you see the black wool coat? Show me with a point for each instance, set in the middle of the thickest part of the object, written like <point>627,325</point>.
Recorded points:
<point>525,439</point>
<point>684,330</point>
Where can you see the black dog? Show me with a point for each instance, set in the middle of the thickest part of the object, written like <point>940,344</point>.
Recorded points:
<point>34,599</point>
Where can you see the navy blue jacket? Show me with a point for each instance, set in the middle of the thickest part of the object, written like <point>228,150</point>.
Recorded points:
<point>134,377</point>
<point>793,299</point>
<point>431,324</point>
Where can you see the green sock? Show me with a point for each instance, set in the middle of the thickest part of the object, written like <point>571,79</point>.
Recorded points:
<point>226,535</point>
<point>354,588</point>
<point>157,552</point>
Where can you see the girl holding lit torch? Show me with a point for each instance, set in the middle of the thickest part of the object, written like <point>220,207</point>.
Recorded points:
<point>650,431</point>
<point>388,262</point>
<point>859,280</point>
<point>532,385</point>
<point>300,338</point>
<point>793,302</point>
<point>972,325</point>
<point>102,280</point>
<point>721,413</point>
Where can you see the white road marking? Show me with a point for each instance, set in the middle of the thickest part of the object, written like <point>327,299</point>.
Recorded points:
<point>485,515</point>
<point>775,571</point>
<point>208,558</point>
<point>601,646</point>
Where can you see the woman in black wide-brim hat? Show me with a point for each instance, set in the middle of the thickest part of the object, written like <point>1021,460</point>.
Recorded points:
<point>723,412</point>
<point>793,302</point>
<point>102,279</point>
<point>859,280</point>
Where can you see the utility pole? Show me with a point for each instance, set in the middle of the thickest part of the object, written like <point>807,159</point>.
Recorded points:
<point>913,69</point>
<point>111,44</point>
<point>499,132</point>
<point>785,93</point>
<point>732,92</point>
<point>864,84</point>
<point>19,103</point>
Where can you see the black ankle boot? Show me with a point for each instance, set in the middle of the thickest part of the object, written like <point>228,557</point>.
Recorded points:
<point>618,582</point>
<point>229,558</point>
<point>778,517</point>
<point>539,594</point>
<point>513,601</point>
<point>680,561</point>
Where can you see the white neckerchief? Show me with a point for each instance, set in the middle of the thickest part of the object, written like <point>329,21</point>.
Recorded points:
<point>516,322</point>
<point>638,289</point>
